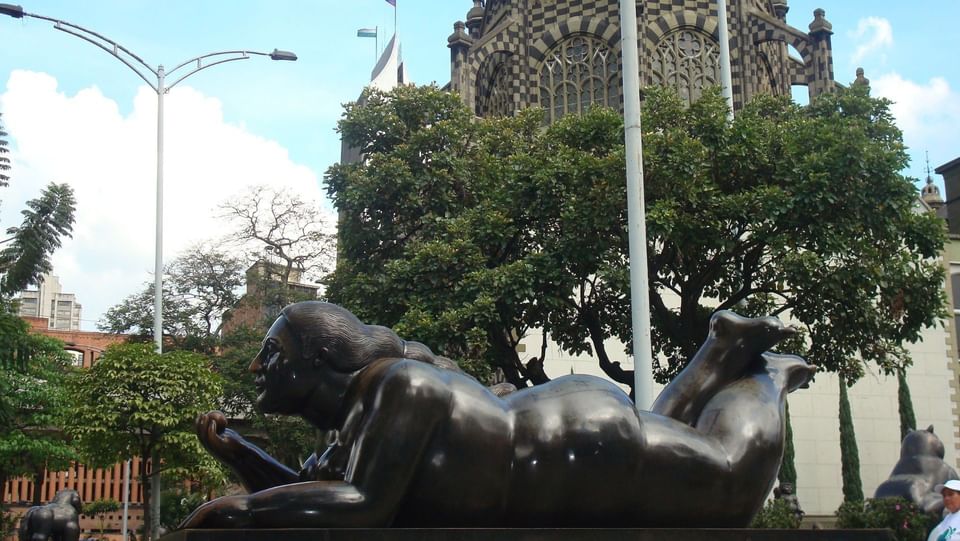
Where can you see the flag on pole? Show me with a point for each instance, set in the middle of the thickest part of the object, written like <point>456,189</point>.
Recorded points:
<point>392,2</point>
<point>367,33</point>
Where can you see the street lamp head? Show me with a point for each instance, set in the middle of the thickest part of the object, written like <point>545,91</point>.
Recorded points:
<point>277,54</point>
<point>12,10</point>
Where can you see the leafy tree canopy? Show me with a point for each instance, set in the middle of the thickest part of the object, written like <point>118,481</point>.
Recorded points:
<point>136,402</point>
<point>33,403</point>
<point>46,220</point>
<point>466,233</point>
<point>199,286</point>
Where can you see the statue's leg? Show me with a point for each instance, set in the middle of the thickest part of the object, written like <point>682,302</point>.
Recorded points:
<point>71,532</point>
<point>745,419</point>
<point>732,344</point>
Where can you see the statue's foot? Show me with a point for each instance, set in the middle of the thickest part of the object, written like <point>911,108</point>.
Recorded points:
<point>789,371</point>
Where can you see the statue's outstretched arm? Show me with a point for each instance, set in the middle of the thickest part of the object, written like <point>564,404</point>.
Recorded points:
<point>253,466</point>
<point>386,436</point>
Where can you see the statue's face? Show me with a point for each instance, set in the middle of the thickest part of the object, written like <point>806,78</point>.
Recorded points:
<point>283,378</point>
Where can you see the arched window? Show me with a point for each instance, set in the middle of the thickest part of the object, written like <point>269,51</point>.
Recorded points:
<point>579,71</point>
<point>494,98</point>
<point>687,60</point>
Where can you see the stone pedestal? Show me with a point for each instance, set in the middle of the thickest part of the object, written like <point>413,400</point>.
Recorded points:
<point>493,534</point>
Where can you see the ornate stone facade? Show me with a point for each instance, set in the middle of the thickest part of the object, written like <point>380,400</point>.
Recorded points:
<point>564,55</point>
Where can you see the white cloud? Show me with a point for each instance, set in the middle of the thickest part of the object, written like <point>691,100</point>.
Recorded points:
<point>109,159</point>
<point>928,113</point>
<point>874,34</point>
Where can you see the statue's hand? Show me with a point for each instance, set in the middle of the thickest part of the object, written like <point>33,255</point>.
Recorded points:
<point>220,441</point>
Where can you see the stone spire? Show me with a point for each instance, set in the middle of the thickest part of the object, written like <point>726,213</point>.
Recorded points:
<point>931,193</point>
<point>822,54</point>
<point>475,19</point>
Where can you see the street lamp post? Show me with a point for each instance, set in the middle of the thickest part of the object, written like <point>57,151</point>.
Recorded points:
<point>155,79</point>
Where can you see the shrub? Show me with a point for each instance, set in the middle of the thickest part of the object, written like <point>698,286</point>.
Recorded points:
<point>776,514</point>
<point>908,522</point>
<point>176,504</point>
<point>99,508</point>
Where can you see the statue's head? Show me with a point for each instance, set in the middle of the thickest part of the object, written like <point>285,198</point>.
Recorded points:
<point>69,497</point>
<point>922,442</point>
<point>306,361</point>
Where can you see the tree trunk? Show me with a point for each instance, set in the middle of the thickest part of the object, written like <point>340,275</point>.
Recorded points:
<point>908,421</point>
<point>145,482</point>
<point>3,483</point>
<point>154,496</point>
<point>849,454</point>
<point>38,485</point>
<point>612,369</point>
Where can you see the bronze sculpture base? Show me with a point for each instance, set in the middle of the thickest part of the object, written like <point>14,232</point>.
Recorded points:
<point>499,534</point>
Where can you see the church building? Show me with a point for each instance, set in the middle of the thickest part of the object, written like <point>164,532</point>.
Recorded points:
<point>564,55</point>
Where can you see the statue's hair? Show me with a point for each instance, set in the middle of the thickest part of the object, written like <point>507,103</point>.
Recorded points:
<point>347,344</point>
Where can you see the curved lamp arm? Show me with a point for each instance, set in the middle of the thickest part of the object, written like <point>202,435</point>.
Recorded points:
<point>231,56</point>
<point>121,53</point>
<point>134,62</point>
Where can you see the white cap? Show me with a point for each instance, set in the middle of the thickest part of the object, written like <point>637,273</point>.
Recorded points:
<point>953,484</point>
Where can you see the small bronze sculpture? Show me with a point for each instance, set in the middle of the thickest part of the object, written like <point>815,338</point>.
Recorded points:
<point>422,445</point>
<point>58,520</point>
<point>920,469</point>
<point>861,80</point>
<point>788,494</point>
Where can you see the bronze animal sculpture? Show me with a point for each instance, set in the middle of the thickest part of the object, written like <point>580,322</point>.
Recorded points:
<point>572,452</point>
<point>58,520</point>
<point>787,493</point>
<point>918,471</point>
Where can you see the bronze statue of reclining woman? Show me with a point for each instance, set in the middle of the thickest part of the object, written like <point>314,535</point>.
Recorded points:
<point>423,445</point>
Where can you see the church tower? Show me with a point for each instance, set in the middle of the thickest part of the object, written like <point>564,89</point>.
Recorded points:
<point>564,55</point>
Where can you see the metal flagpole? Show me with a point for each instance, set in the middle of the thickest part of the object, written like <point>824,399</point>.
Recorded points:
<point>636,214</point>
<point>726,79</point>
<point>126,496</point>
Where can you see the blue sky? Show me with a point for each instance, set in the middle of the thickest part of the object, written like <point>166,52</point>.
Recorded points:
<point>76,115</point>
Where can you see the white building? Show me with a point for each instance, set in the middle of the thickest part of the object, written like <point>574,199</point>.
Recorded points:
<point>48,301</point>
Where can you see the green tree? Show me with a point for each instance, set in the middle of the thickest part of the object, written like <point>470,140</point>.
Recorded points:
<point>849,454</point>
<point>451,228</point>
<point>99,508</point>
<point>199,286</point>
<point>46,220</point>
<point>135,402</point>
<point>466,233</point>
<point>32,404</point>
<point>908,420</point>
<point>788,467</point>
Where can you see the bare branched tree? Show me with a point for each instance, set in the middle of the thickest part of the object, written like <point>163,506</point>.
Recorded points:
<point>282,228</point>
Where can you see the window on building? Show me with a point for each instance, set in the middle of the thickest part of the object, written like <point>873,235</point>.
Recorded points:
<point>686,60</point>
<point>578,72</point>
<point>494,98</point>
<point>76,357</point>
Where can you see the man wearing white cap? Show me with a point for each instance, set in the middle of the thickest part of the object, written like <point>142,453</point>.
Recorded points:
<point>949,527</point>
